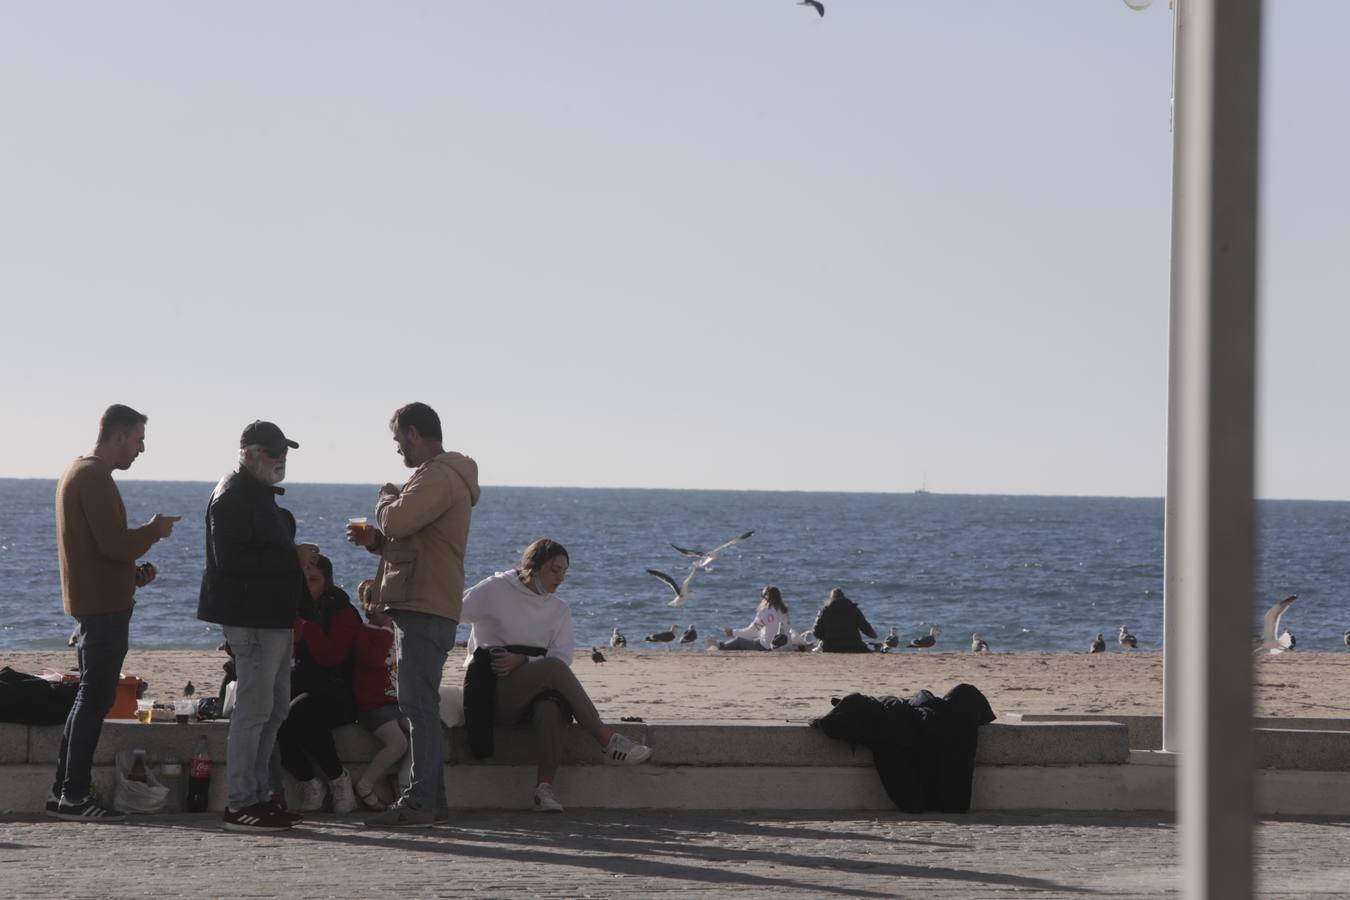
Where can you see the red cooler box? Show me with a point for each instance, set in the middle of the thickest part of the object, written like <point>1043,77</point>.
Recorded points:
<point>128,691</point>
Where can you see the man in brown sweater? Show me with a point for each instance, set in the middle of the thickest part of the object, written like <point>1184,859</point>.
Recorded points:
<point>99,577</point>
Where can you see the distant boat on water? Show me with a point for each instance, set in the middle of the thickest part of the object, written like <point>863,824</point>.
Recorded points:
<point>924,488</point>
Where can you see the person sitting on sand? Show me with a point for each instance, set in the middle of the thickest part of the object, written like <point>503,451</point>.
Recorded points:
<point>375,690</point>
<point>321,691</point>
<point>838,624</point>
<point>520,647</point>
<point>771,620</point>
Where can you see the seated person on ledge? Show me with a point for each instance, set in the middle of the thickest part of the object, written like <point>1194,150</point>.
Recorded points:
<point>771,621</point>
<point>838,624</point>
<point>522,639</point>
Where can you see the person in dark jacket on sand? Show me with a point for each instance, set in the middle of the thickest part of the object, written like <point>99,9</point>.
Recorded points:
<point>252,586</point>
<point>838,624</point>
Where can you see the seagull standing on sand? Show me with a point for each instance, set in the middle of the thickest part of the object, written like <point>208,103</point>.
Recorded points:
<point>596,656</point>
<point>814,4</point>
<point>892,639</point>
<point>1347,639</point>
<point>926,640</point>
<point>978,644</point>
<point>1271,627</point>
<point>705,557</point>
<point>681,590</point>
<point>1099,645</point>
<point>661,637</point>
<point>690,635</point>
<point>616,639</point>
<point>1126,639</point>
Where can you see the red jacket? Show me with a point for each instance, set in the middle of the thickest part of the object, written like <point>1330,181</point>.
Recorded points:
<point>374,668</point>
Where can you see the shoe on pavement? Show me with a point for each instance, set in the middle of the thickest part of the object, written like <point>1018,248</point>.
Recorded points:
<point>624,751</point>
<point>400,816</point>
<point>441,816</point>
<point>53,801</point>
<point>87,810</point>
<point>258,817</point>
<point>312,793</point>
<point>278,805</point>
<point>544,801</point>
<point>344,798</point>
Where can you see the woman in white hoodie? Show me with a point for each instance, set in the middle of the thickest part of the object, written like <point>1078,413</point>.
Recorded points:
<point>771,620</point>
<point>526,629</point>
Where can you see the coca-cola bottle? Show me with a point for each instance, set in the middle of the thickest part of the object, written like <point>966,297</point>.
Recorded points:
<point>199,777</point>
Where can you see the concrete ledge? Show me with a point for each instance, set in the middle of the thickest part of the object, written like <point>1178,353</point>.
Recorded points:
<point>1074,765</point>
<point>1146,731</point>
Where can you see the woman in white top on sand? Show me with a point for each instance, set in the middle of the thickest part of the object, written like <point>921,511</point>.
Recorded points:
<point>520,608</point>
<point>771,620</point>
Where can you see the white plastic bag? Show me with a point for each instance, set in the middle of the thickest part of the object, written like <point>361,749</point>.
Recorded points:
<point>149,796</point>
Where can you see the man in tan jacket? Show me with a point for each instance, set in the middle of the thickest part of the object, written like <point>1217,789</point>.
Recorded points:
<point>421,541</point>
<point>99,577</point>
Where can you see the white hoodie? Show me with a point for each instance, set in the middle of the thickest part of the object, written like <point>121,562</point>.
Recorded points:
<point>504,611</point>
<point>765,627</point>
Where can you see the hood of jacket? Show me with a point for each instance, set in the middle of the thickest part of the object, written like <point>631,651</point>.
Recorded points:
<point>463,466</point>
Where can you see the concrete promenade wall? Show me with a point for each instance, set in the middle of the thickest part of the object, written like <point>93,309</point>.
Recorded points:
<point>1021,765</point>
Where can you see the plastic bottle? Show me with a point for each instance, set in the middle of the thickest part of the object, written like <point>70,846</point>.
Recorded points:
<point>137,771</point>
<point>199,777</point>
<point>171,776</point>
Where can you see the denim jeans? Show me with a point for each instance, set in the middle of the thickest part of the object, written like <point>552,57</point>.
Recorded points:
<point>262,659</point>
<point>102,648</point>
<point>424,641</point>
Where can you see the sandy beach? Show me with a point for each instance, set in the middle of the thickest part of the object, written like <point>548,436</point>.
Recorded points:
<point>657,684</point>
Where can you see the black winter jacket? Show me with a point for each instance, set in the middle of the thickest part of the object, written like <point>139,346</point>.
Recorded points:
<point>837,626</point>
<point>923,748</point>
<point>252,577</point>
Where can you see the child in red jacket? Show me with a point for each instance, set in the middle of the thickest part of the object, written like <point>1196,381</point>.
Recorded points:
<point>375,688</point>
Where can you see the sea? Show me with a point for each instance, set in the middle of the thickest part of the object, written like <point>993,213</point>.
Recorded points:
<point>1026,573</point>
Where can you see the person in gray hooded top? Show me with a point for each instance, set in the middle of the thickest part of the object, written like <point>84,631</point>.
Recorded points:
<point>421,540</point>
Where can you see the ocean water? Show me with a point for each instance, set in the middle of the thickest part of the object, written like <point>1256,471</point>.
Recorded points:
<point>1028,573</point>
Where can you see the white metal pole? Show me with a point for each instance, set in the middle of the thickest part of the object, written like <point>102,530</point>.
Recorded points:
<point>1212,467</point>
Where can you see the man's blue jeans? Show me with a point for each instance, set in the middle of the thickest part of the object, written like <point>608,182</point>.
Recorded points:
<point>262,660</point>
<point>102,648</point>
<point>424,641</point>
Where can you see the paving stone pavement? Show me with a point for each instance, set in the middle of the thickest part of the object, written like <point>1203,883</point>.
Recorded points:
<point>650,853</point>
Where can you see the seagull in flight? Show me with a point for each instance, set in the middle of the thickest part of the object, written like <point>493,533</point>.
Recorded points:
<point>1126,639</point>
<point>681,589</point>
<point>705,557</point>
<point>814,4</point>
<point>926,640</point>
<point>1271,627</point>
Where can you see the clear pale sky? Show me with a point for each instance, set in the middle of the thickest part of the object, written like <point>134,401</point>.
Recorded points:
<point>692,244</point>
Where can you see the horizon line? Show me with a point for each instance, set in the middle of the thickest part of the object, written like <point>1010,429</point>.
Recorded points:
<point>708,490</point>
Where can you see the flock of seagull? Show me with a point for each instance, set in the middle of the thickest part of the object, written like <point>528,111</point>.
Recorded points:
<point>1272,640</point>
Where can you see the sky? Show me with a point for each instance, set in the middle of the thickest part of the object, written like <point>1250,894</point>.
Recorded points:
<point>696,244</point>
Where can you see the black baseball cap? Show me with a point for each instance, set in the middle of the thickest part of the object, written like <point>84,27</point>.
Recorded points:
<point>267,436</point>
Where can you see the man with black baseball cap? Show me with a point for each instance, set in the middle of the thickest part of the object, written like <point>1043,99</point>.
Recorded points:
<point>251,587</point>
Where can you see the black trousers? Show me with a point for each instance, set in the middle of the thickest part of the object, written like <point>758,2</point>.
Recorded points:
<point>306,737</point>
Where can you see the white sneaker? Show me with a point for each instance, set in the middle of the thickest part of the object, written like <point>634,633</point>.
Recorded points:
<point>344,798</point>
<point>311,795</point>
<point>624,751</point>
<point>544,801</point>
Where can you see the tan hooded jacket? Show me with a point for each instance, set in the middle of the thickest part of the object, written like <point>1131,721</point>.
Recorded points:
<point>426,533</point>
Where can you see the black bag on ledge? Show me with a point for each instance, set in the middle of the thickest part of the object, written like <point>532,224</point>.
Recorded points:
<point>29,700</point>
<point>923,748</point>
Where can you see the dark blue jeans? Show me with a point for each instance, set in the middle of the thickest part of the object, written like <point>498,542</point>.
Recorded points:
<point>102,648</point>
